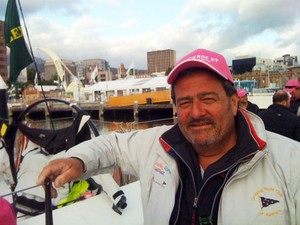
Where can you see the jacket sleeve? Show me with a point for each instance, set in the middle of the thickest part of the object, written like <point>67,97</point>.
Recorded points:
<point>285,159</point>
<point>297,202</point>
<point>128,150</point>
<point>294,182</point>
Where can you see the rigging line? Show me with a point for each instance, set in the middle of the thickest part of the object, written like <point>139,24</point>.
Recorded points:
<point>4,119</point>
<point>140,122</point>
<point>157,120</point>
<point>35,65</point>
<point>25,189</point>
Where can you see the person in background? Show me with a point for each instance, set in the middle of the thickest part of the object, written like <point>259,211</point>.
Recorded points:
<point>293,87</point>
<point>217,165</point>
<point>245,103</point>
<point>277,118</point>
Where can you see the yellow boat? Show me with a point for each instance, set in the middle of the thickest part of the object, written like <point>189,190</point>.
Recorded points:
<point>153,97</point>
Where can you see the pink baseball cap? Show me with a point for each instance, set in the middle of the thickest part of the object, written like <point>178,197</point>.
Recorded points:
<point>202,58</point>
<point>291,85</point>
<point>242,92</point>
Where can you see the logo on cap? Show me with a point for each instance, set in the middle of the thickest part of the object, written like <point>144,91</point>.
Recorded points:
<point>202,58</point>
<point>205,58</point>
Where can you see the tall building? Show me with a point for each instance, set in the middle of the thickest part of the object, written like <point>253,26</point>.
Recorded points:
<point>159,61</point>
<point>3,55</point>
<point>86,66</point>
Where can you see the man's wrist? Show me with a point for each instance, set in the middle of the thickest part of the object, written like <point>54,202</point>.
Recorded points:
<point>82,164</point>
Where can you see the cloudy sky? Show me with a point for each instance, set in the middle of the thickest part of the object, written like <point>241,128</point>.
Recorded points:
<point>123,31</point>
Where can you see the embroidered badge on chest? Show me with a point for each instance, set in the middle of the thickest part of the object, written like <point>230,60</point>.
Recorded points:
<point>161,168</point>
<point>269,201</point>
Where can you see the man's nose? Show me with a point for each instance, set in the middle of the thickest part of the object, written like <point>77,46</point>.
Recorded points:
<point>198,109</point>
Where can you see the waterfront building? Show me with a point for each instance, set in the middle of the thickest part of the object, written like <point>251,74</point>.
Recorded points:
<point>51,71</point>
<point>286,60</point>
<point>243,64</point>
<point>122,71</point>
<point>268,73</point>
<point>161,60</point>
<point>3,55</point>
<point>86,66</point>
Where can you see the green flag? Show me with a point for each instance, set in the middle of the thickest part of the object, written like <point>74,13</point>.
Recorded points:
<point>14,39</point>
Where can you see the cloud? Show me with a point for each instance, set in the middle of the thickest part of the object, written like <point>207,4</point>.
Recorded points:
<point>123,32</point>
<point>240,26</point>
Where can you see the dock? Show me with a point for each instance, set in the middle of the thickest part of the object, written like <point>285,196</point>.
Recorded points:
<point>98,110</point>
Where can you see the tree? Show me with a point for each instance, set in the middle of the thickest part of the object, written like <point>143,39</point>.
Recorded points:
<point>30,75</point>
<point>168,71</point>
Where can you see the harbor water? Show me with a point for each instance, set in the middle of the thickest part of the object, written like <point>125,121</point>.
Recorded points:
<point>102,126</point>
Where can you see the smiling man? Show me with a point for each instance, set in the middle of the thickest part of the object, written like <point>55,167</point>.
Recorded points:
<point>218,165</point>
<point>200,97</point>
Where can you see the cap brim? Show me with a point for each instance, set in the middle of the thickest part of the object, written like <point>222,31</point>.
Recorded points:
<point>289,90</point>
<point>190,64</point>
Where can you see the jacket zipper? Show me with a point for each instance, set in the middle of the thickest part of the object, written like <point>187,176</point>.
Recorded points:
<point>195,204</point>
<point>244,159</point>
<point>194,214</point>
<point>195,193</point>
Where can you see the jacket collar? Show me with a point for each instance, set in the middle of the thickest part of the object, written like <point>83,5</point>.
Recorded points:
<point>278,107</point>
<point>252,131</point>
<point>173,139</point>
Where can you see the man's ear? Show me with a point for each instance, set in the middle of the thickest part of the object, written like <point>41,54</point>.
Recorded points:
<point>234,104</point>
<point>286,103</point>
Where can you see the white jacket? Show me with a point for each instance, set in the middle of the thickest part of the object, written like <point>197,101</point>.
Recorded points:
<point>264,190</point>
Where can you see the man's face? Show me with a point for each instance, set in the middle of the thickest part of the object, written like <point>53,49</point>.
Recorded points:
<point>205,112</point>
<point>295,93</point>
<point>243,99</point>
<point>288,103</point>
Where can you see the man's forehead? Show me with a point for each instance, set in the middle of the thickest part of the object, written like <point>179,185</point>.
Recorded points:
<point>201,74</point>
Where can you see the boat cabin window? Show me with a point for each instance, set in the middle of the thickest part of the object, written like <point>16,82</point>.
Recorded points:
<point>161,88</point>
<point>144,90</point>
<point>120,92</point>
<point>110,93</point>
<point>134,91</point>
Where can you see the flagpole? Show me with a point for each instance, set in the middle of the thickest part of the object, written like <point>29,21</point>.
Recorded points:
<point>3,103</point>
<point>14,39</point>
<point>31,51</point>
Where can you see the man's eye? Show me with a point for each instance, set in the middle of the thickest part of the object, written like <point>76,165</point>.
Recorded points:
<point>208,100</point>
<point>183,104</point>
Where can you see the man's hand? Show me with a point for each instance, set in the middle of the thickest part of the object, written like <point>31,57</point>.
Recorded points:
<point>61,171</point>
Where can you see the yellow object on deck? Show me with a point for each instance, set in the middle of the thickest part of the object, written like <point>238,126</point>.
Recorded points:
<point>77,190</point>
<point>144,98</point>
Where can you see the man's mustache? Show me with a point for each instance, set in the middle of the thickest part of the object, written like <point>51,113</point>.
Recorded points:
<point>200,121</point>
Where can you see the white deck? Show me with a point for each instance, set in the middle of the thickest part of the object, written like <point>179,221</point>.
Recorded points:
<point>97,210</point>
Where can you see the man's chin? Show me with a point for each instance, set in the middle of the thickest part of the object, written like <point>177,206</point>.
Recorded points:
<point>202,138</point>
